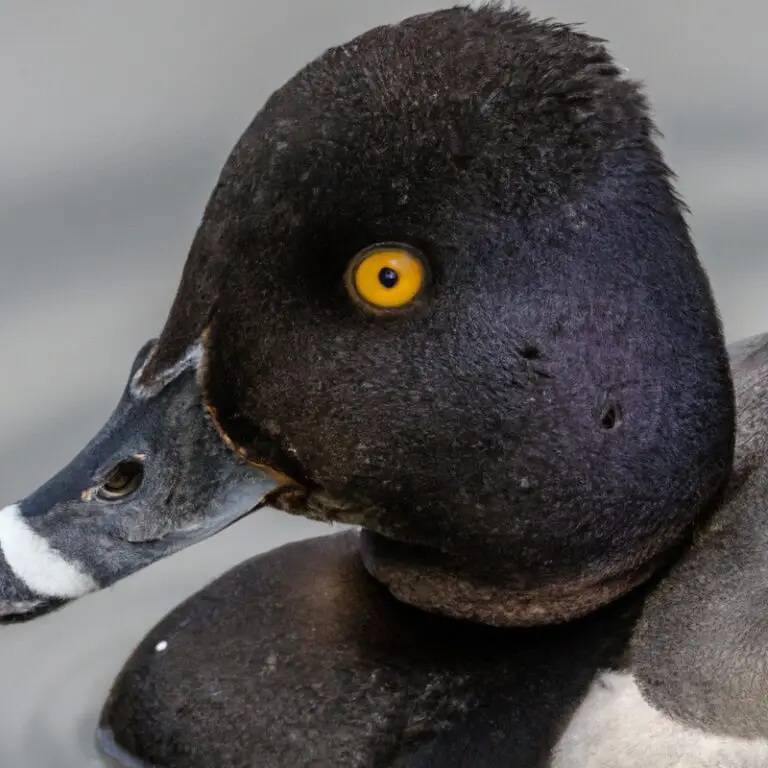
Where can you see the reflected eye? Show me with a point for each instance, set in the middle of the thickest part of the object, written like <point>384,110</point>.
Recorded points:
<point>122,481</point>
<point>386,277</point>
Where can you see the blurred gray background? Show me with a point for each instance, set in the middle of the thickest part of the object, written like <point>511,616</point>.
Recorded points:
<point>115,119</point>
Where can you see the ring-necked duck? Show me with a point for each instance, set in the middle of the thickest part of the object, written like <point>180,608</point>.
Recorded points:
<point>444,290</point>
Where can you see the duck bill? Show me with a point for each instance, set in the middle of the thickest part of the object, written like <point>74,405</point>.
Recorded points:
<point>156,479</point>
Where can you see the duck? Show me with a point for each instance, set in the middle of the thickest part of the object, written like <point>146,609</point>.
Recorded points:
<point>342,673</point>
<point>299,657</point>
<point>691,689</point>
<point>443,292</point>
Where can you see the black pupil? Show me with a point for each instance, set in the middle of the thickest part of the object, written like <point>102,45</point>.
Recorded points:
<point>388,277</point>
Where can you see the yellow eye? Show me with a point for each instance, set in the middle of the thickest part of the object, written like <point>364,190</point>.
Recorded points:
<point>386,277</point>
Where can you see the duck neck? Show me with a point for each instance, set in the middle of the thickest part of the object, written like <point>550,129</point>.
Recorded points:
<point>438,583</point>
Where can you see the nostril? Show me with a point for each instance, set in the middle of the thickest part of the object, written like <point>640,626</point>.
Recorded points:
<point>123,480</point>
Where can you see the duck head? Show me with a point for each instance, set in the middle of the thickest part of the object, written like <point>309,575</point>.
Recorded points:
<point>444,286</point>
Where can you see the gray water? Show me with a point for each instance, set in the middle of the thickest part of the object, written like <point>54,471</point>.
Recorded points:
<point>114,122</point>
